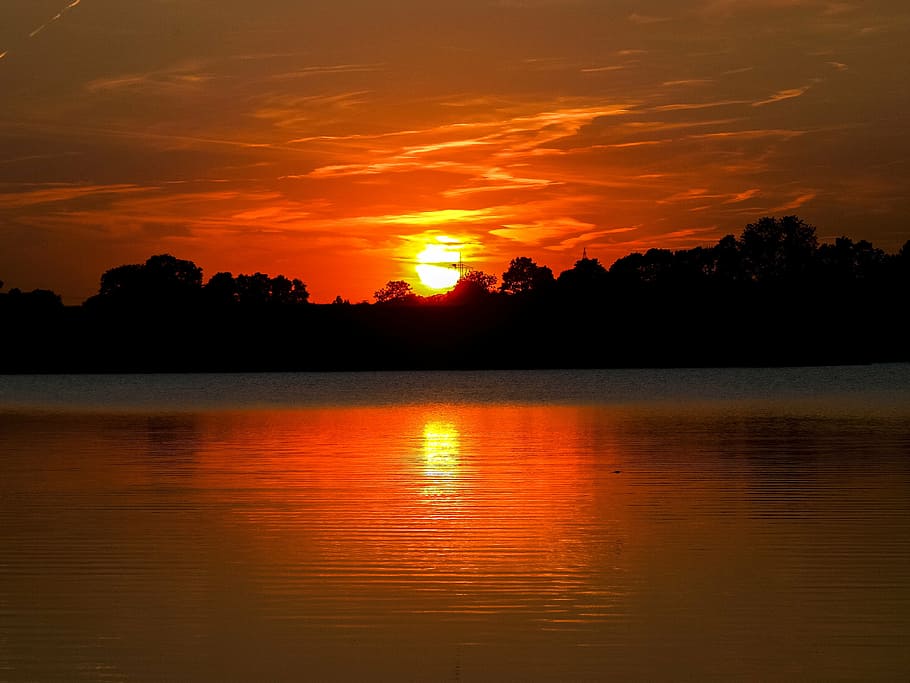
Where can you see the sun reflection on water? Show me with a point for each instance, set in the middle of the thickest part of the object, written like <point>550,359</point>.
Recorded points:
<point>441,446</point>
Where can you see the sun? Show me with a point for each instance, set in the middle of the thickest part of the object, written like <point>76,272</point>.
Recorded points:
<point>434,267</point>
<point>437,277</point>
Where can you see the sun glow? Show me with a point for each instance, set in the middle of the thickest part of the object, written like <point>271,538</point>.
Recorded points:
<point>440,448</point>
<point>434,266</point>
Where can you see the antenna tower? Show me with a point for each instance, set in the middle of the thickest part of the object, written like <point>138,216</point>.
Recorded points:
<point>462,267</point>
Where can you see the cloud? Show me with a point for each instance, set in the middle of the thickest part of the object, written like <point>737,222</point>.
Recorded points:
<point>25,197</point>
<point>743,196</point>
<point>83,131</point>
<point>498,180</point>
<point>690,106</point>
<point>781,95</point>
<point>604,69</point>
<point>796,202</point>
<point>433,148</point>
<point>303,111</point>
<point>749,134</point>
<point>479,150</point>
<point>176,80</point>
<point>327,70</point>
<point>588,238</point>
<point>543,231</point>
<point>646,20</point>
<point>688,81</point>
<point>437,217</point>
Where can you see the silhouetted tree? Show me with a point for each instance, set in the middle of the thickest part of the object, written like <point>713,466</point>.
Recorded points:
<point>395,291</point>
<point>288,292</point>
<point>654,266</point>
<point>125,281</point>
<point>846,263</point>
<point>692,267</point>
<point>254,290</point>
<point>726,260</point>
<point>221,290</point>
<point>777,249</point>
<point>524,276</point>
<point>479,279</point>
<point>587,279</point>
<point>474,286</point>
<point>161,280</point>
<point>35,301</point>
<point>178,275</point>
<point>902,260</point>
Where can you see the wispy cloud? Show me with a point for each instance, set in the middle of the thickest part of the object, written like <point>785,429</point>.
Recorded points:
<point>647,19</point>
<point>26,197</point>
<point>438,217</point>
<point>84,131</point>
<point>498,180</point>
<point>604,69</point>
<point>496,141</point>
<point>690,106</point>
<point>588,238</point>
<point>781,95</point>
<point>743,196</point>
<point>688,82</point>
<point>174,80</point>
<point>749,134</point>
<point>538,233</point>
<point>795,202</point>
<point>327,70</point>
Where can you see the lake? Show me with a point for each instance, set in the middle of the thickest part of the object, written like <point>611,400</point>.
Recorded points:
<point>735,524</point>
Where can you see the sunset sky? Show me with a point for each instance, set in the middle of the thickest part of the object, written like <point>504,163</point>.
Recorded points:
<point>334,141</point>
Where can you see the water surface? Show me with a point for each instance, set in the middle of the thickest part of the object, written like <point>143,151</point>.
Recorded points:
<point>642,525</point>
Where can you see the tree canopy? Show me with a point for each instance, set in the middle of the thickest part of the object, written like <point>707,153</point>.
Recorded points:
<point>166,281</point>
<point>525,277</point>
<point>394,291</point>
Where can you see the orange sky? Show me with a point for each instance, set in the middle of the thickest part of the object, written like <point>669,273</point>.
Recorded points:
<point>331,141</point>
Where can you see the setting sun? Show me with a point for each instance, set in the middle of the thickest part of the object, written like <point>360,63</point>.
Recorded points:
<point>434,266</point>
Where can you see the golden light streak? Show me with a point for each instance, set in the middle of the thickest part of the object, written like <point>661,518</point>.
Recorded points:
<point>440,451</point>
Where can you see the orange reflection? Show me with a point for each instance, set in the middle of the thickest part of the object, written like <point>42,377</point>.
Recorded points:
<point>440,452</point>
<point>487,539</point>
<point>475,491</point>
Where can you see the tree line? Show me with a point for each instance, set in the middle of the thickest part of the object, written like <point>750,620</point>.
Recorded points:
<point>772,295</point>
<point>772,254</point>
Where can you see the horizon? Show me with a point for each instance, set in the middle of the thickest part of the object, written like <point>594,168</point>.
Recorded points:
<point>338,144</point>
<point>460,270</point>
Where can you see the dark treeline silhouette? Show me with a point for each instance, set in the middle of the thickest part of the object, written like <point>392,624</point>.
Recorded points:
<point>165,282</point>
<point>772,296</point>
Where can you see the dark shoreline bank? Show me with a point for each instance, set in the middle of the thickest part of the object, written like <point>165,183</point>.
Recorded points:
<point>495,335</point>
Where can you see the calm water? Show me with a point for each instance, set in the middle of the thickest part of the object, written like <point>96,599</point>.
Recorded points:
<point>639,525</point>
